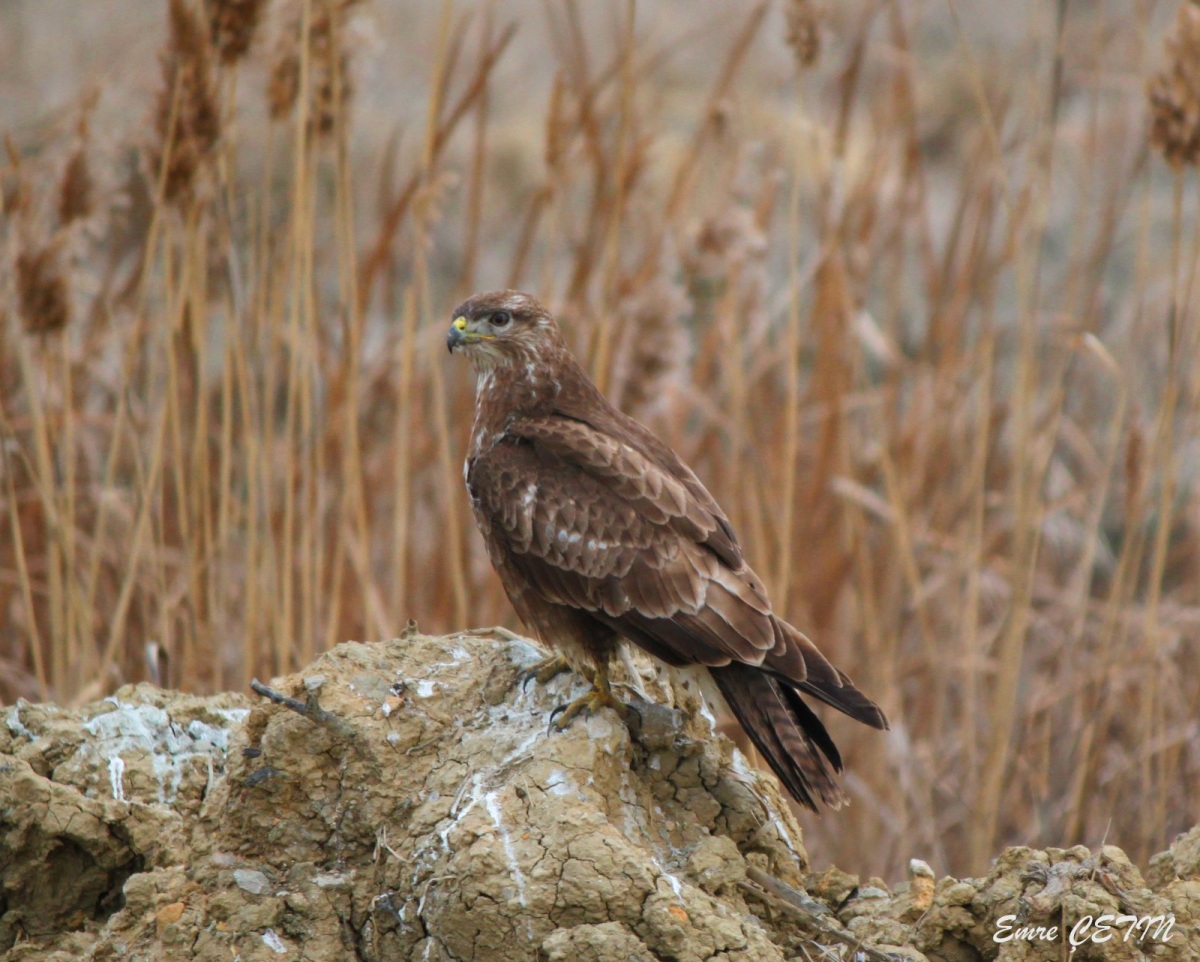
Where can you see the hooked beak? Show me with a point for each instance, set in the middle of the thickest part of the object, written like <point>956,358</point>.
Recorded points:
<point>456,334</point>
<point>459,336</point>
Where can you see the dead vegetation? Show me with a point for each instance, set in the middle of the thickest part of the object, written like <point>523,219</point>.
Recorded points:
<point>919,311</point>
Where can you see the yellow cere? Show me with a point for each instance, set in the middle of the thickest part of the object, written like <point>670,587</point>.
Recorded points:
<point>460,323</point>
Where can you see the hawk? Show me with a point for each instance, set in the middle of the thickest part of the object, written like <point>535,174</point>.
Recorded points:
<point>601,534</point>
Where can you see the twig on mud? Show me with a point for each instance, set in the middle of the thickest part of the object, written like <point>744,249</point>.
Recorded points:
<point>309,708</point>
<point>783,891</point>
<point>769,890</point>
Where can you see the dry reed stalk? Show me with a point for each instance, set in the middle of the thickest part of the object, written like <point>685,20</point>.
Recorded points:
<point>406,345</point>
<point>299,550</point>
<point>781,583</point>
<point>1186,49</point>
<point>475,183</point>
<point>624,167</point>
<point>555,144</point>
<point>974,561</point>
<point>200,496</point>
<point>682,177</point>
<point>1026,508</point>
<point>38,378</point>
<point>21,561</point>
<point>354,533</point>
<point>170,521</point>
<point>374,261</point>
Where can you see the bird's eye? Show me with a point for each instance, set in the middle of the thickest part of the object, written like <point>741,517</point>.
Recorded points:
<point>501,319</point>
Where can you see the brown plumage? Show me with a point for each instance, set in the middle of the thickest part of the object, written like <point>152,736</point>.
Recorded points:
<point>599,533</point>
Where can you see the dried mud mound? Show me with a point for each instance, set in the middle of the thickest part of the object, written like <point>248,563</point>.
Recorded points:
<point>420,811</point>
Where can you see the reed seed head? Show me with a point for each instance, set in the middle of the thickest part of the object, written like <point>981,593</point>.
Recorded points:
<point>188,120</point>
<point>234,25</point>
<point>804,31</point>
<point>284,85</point>
<point>655,340</point>
<point>76,191</point>
<point>42,294</point>
<point>329,82</point>
<point>1175,92</point>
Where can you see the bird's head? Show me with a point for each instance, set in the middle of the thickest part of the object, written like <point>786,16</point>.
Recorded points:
<point>502,327</point>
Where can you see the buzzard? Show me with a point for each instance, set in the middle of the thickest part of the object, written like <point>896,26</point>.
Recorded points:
<point>600,534</point>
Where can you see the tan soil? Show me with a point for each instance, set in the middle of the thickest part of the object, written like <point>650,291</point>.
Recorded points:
<point>433,818</point>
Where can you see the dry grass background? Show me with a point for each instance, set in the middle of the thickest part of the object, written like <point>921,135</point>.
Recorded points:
<point>910,285</point>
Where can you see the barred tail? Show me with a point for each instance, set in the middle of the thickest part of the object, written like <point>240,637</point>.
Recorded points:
<point>785,731</point>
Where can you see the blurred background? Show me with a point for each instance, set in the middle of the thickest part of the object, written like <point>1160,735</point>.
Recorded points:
<point>910,285</point>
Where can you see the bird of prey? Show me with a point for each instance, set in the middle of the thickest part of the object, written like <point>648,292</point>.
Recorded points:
<point>601,534</point>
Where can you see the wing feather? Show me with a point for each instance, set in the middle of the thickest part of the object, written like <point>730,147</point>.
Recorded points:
<point>605,529</point>
<point>588,410</point>
<point>643,484</point>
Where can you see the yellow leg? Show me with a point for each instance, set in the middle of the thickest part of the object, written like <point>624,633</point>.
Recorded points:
<point>600,696</point>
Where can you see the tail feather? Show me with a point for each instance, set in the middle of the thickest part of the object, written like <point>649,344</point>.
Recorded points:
<point>847,699</point>
<point>799,662</point>
<point>785,731</point>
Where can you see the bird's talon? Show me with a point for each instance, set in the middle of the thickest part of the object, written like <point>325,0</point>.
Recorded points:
<point>543,671</point>
<point>589,704</point>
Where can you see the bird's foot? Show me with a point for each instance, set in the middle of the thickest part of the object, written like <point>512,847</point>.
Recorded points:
<point>549,668</point>
<point>592,702</point>
<point>600,696</point>
<point>544,671</point>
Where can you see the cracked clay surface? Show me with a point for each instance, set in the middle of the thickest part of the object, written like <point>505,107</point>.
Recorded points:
<point>437,820</point>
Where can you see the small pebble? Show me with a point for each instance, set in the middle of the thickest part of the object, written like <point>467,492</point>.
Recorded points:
<point>252,881</point>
